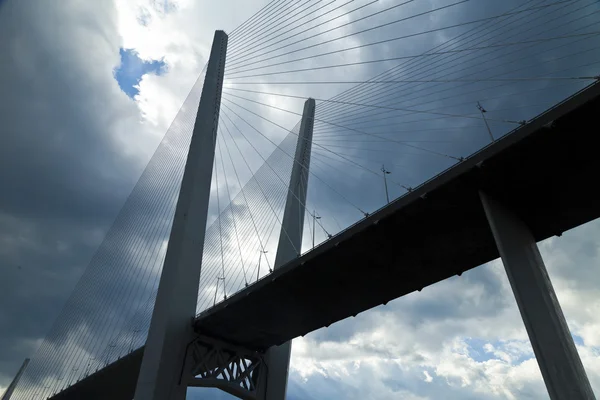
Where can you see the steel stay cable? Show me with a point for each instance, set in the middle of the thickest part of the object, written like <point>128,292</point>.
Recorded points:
<point>486,61</point>
<point>355,33</point>
<point>437,99</point>
<point>374,135</point>
<point>329,134</point>
<point>242,189</point>
<point>101,335</point>
<point>282,195</point>
<point>310,214</point>
<point>203,300</point>
<point>118,220</point>
<point>291,132</point>
<point>157,234</point>
<point>481,80</point>
<point>226,263</point>
<point>278,21</point>
<point>210,273</point>
<point>325,134</point>
<point>220,228</point>
<point>387,150</point>
<point>395,59</point>
<point>248,242</point>
<point>370,160</point>
<point>377,116</point>
<point>265,161</point>
<point>232,213</point>
<point>514,70</point>
<point>240,59</point>
<point>295,161</point>
<point>382,107</point>
<point>266,18</point>
<point>322,140</point>
<point>360,166</point>
<point>378,161</point>
<point>237,70</point>
<point>457,39</point>
<point>381,91</point>
<point>158,150</point>
<point>364,121</point>
<point>256,178</point>
<point>269,236</point>
<point>235,32</point>
<point>74,341</point>
<point>351,203</point>
<point>261,39</point>
<point>41,367</point>
<point>255,32</point>
<point>254,48</point>
<point>136,255</point>
<point>372,150</point>
<point>262,248</point>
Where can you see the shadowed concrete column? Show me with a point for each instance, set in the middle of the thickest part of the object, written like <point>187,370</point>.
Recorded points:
<point>175,307</point>
<point>548,332</point>
<point>290,242</point>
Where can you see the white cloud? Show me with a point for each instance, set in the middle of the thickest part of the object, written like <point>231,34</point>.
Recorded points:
<point>428,378</point>
<point>438,347</point>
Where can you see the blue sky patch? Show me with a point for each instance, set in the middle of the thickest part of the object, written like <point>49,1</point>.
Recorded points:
<point>133,68</point>
<point>477,351</point>
<point>578,340</point>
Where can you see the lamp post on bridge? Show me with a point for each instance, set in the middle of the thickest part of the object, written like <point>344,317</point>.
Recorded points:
<point>483,111</point>
<point>259,259</point>
<point>315,218</point>
<point>386,172</point>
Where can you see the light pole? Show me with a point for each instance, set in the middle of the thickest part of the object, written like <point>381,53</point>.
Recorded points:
<point>315,218</point>
<point>385,172</point>
<point>483,111</point>
<point>259,258</point>
<point>135,331</point>
<point>217,289</point>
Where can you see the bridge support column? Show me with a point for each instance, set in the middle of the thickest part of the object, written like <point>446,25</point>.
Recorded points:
<point>277,358</point>
<point>175,307</point>
<point>552,343</point>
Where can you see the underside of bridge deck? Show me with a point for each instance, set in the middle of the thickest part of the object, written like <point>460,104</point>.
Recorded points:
<point>544,171</point>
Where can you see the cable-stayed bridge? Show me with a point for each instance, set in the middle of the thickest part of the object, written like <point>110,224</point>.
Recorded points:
<point>497,118</point>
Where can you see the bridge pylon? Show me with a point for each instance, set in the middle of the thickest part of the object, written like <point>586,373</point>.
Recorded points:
<point>175,308</point>
<point>277,358</point>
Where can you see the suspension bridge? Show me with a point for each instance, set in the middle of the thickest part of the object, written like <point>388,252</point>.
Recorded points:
<point>271,208</point>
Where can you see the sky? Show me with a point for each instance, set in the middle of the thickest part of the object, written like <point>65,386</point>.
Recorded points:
<point>87,91</point>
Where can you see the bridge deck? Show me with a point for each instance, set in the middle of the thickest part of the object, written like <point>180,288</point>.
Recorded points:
<point>544,174</point>
<point>436,231</point>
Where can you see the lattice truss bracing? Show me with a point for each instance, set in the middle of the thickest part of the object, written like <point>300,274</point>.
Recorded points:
<point>213,363</point>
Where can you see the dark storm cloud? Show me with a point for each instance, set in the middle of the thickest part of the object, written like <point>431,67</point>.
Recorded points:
<point>62,175</point>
